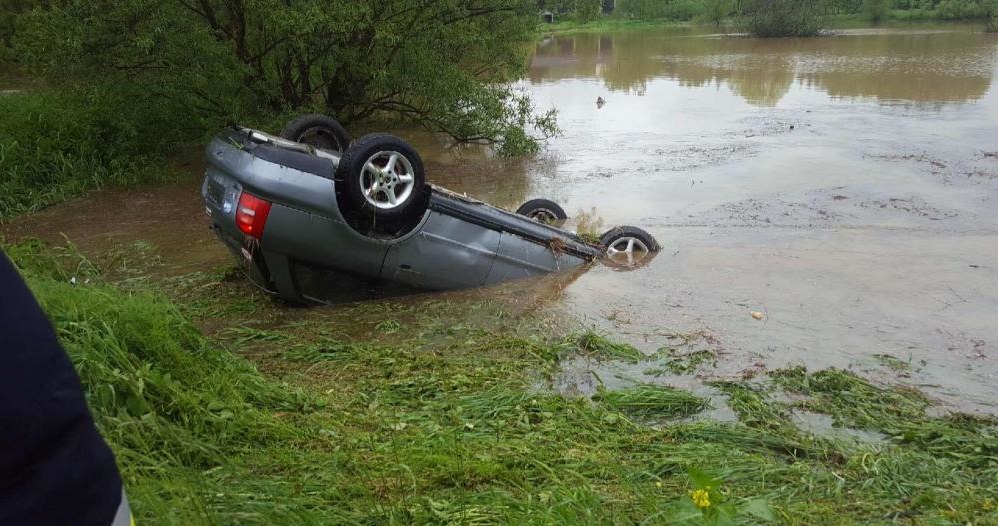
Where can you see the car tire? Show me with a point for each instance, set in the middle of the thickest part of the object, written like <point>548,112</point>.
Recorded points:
<point>321,131</point>
<point>384,177</point>
<point>628,245</point>
<point>543,211</point>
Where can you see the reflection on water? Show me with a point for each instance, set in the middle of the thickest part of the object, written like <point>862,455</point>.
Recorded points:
<point>888,65</point>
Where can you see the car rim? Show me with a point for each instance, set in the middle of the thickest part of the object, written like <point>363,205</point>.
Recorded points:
<point>627,250</point>
<point>387,180</point>
<point>320,139</point>
<point>543,215</point>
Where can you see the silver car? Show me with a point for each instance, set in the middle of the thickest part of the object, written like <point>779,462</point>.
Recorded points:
<point>309,212</point>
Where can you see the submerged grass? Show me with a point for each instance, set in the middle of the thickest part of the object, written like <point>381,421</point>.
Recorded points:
<point>447,426</point>
<point>657,402</point>
<point>591,344</point>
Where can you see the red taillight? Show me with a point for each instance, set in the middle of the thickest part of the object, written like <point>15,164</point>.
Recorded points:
<point>251,215</point>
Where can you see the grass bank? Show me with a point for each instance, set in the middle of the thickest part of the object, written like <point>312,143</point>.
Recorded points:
<point>54,146</point>
<point>437,422</point>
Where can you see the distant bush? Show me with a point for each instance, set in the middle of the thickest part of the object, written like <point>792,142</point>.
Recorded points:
<point>715,11</point>
<point>661,9</point>
<point>578,10</point>
<point>961,10</point>
<point>874,10</point>
<point>584,10</point>
<point>783,18</point>
<point>992,26</point>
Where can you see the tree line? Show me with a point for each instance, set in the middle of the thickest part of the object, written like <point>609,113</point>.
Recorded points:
<point>777,18</point>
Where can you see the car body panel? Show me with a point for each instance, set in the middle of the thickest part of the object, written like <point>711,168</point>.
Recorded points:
<point>518,258</point>
<point>322,240</point>
<point>447,253</point>
<point>271,181</point>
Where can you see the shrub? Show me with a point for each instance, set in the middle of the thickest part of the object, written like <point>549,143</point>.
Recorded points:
<point>783,18</point>
<point>874,10</point>
<point>715,11</point>
<point>660,9</point>
<point>961,10</point>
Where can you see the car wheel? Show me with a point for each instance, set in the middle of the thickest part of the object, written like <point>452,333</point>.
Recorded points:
<point>384,177</point>
<point>628,245</point>
<point>320,131</point>
<point>543,211</point>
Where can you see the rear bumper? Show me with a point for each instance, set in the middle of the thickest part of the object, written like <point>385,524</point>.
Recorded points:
<point>250,259</point>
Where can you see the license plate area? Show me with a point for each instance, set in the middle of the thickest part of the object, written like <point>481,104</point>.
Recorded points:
<point>216,192</point>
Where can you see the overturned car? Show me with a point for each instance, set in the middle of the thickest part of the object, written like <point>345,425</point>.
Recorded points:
<point>311,206</point>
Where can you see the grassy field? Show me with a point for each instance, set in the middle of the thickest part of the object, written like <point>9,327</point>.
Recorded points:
<point>225,407</point>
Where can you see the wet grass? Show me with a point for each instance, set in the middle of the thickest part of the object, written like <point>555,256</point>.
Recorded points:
<point>441,421</point>
<point>683,362</point>
<point>593,345</point>
<point>654,402</point>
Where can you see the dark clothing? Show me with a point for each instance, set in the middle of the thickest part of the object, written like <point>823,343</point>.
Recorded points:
<point>55,469</point>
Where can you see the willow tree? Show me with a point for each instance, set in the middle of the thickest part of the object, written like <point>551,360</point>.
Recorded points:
<point>444,64</point>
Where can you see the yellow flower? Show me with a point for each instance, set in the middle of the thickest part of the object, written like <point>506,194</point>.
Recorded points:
<point>701,498</point>
<point>988,505</point>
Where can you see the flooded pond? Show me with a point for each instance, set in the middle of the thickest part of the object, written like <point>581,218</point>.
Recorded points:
<point>844,186</point>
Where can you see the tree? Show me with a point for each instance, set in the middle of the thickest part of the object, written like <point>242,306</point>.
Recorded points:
<point>444,64</point>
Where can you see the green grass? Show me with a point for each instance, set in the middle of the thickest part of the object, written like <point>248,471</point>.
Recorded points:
<point>593,345</point>
<point>445,423</point>
<point>654,402</point>
<point>57,145</point>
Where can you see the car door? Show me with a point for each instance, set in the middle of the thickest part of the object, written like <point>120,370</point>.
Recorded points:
<point>447,253</point>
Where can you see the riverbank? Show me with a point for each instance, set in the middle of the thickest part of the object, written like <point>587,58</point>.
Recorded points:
<point>382,412</point>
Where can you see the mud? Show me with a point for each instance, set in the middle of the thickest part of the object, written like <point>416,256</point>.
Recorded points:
<point>846,187</point>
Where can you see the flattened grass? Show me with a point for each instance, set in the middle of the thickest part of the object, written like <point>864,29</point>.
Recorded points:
<point>653,402</point>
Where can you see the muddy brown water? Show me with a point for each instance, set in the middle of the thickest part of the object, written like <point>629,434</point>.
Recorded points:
<point>846,187</point>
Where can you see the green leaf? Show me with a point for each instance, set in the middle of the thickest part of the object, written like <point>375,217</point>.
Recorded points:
<point>702,480</point>
<point>757,508</point>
